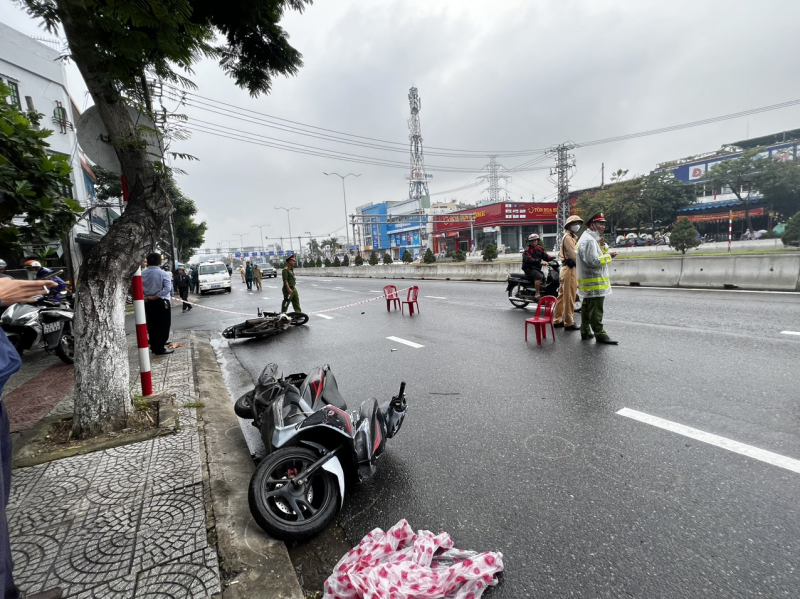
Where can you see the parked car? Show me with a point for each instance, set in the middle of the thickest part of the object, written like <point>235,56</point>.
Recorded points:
<point>267,270</point>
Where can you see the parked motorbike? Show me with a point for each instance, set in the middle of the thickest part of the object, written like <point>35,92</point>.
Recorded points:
<point>49,324</point>
<point>266,325</point>
<point>313,444</point>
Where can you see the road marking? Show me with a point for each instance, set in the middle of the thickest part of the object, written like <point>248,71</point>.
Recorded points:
<point>315,285</point>
<point>271,286</point>
<point>376,291</point>
<point>325,316</point>
<point>434,297</point>
<point>326,280</point>
<point>747,450</point>
<point>404,342</point>
<point>265,297</point>
<point>789,333</point>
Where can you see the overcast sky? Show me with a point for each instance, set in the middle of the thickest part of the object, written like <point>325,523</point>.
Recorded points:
<point>503,75</point>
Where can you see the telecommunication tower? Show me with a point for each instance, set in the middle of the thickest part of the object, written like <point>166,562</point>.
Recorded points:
<point>493,178</point>
<point>418,178</point>
<point>563,171</point>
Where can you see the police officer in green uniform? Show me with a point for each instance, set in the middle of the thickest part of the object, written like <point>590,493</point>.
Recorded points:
<point>290,287</point>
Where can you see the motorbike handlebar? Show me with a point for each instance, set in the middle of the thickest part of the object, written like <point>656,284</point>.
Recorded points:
<point>399,400</point>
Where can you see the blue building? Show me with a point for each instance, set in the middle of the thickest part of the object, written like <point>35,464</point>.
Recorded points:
<point>374,229</point>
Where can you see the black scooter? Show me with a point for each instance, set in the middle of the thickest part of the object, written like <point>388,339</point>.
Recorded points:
<point>266,325</point>
<point>312,443</point>
<point>521,290</point>
<point>49,323</point>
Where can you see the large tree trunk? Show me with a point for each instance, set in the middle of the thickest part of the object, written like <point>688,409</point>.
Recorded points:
<point>102,387</point>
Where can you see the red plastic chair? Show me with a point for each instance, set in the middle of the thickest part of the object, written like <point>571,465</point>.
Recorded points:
<point>411,300</point>
<point>390,293</point>
<point>548,302</point>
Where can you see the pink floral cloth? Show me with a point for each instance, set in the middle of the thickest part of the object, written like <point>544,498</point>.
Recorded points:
<point>398,564</point>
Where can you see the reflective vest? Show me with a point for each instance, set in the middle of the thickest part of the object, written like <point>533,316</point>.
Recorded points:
<point>593,274</point>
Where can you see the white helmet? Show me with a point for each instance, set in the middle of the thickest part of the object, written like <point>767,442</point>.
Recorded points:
<point>533,237</point>
<point>32,264</point>
<point>3,264</point>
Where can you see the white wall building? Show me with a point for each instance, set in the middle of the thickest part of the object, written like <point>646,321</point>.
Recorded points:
<point>35,72</point>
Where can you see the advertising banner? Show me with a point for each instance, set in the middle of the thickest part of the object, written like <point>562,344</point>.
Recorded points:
<point>499,214</point>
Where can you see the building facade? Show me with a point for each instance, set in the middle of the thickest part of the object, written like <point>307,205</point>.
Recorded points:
<point>35,73</point>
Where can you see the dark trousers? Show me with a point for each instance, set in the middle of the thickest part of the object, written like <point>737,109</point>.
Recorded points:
<point>7,588</point>
<point>249,283</point>
<point>159,320</point>
<point>184,291</point>
<point>592,316</point>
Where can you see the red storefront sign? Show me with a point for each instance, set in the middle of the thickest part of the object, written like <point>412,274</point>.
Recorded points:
<point>722,216</point>
<point>503,213</point>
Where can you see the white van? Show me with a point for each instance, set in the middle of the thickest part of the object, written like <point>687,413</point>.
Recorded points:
<point>213,276</point>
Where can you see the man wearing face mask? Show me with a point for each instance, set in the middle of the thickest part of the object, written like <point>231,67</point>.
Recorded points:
<point>532,262</point>
<point>568,281</point>
<point>594,282</point>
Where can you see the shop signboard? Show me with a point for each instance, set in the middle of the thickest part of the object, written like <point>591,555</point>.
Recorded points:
<point>500,214</point>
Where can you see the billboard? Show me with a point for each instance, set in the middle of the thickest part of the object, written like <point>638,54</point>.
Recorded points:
<point>503,213</point>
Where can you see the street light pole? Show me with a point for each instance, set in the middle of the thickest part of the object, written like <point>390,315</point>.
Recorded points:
<point>288,210</point>
<point>344,195</point>
<point>241,241</point>
<point>261,229</point>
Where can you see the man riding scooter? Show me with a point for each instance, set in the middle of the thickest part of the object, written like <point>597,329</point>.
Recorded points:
<point>40,273</point>
<point>532,262</point>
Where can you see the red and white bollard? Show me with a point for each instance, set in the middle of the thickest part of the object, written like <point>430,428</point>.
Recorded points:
<point>730,228</point>
<point>141,332</point>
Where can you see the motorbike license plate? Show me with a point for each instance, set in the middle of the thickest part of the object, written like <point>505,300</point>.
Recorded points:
<point>50,327</point>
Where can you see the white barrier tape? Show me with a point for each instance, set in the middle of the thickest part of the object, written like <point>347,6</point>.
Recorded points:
<point>179,301</point>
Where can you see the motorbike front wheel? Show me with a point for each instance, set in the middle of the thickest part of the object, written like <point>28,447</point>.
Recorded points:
<point>298,318</point>
<point>288,512</point>
<point>244,406</point>
<point>516,302</point>
<point>66,347</point>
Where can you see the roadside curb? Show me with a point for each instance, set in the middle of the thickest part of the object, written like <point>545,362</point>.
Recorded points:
<point>251,563</point>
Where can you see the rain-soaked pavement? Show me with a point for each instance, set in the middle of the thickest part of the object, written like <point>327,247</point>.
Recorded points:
<point>520,449</point>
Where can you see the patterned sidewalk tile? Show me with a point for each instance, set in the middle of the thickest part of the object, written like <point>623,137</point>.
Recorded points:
<point>126,522</point>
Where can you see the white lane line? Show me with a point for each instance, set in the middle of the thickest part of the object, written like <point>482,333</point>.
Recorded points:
<point>789,333</point>
<point>326,280</point>
<point>376,290</point>
<point>315,285</point>
<point>265,297</point>
<point>747,450</point>
<point>325,316</point>
<point>434,297</point>
<point>271,286</point>
<point>404,342</point>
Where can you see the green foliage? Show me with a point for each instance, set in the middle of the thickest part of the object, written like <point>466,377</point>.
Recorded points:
<point>387,258</point>
<point>313,247</point>
<point>359,261</point>
<point>327,262</point>
<point>373,259</point>
<point>489,252</point>
<point>458,256</point>
<point>346,261</point>
<point>429,258</point>
<point>32,184</point>
<point>337,262</point>
<point>683,236</point>
<point>319,263</point>
<point>407,257</point>
<point>638,202</point>
<point>791,235</point>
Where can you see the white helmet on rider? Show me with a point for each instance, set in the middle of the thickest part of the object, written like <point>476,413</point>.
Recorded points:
<point>3,264</point>
<point>533,237</point>
<point>32,264</point>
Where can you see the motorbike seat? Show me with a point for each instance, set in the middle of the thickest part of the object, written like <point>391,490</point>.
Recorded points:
<point>328,395</point>
<point>252,322</point>
<point>292,410</point>
<point>517,275</point>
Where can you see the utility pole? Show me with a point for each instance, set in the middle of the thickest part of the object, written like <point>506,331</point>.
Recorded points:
<point>241,240</point>
<point>418,178</point>
<point>565,163</point>
<point>288,210</point>
<point>602,175</point>
<point>261,229</point>
<point>344,194</point>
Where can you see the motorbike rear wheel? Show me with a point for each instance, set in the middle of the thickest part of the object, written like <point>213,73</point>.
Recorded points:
<point>516,302</point>
<point>66,347</point>
<point>287,512</point>
<point>298,318</point>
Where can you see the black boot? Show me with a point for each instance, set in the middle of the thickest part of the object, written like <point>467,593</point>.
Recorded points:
<point>606,339</point>
<point>586,336</point>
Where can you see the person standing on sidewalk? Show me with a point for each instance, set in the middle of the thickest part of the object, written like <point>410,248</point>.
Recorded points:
<point>248,276</point>
<point>12,291</point>
<point>157,308</point>
<point>568,279</point>
<point>182,284</point>
<point>257,274</point>
<point>594,282</point>
<point>290,286</point>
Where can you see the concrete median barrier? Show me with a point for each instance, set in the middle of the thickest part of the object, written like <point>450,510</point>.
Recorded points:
<point>773,272</point>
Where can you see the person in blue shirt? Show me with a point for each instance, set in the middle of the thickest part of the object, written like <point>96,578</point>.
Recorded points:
<point>157,286</point>
<point>12,291</point>
<point>41,272</point>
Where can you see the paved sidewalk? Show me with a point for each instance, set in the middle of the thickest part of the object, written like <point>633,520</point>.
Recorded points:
<point>124,522</point>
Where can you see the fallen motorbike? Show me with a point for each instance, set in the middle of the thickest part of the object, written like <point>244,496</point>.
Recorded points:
<point>312,443</point>
<point>49,323</point>
<point>267,324</point>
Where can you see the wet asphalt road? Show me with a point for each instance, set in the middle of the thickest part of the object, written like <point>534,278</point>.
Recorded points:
<point>519,449</point>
